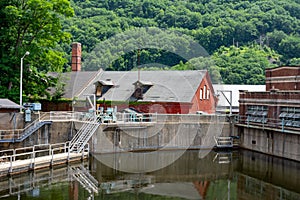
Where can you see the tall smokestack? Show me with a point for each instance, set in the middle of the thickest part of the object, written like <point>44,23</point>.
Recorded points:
<point>76,56</point>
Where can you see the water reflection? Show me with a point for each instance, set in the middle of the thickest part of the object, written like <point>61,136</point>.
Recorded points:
<point>219,175</point>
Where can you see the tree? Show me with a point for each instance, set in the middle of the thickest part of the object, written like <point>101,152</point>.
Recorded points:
<point>244,65</point>
<point>290,47</point>
<point>212,23</point>
<point>34,26</point>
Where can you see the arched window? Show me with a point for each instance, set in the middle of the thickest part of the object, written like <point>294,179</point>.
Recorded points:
<point>204,92</point>
<point>201,94</point>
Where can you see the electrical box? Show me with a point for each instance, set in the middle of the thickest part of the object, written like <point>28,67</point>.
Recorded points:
<point>33,106</point>
<point>27,115</point>
<point>36,106</point>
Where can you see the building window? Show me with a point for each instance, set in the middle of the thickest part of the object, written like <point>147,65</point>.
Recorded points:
<point>290,116</point>
<point>102,87</point>
<point>204,92</point>
<point>98,90</point>
<point>257,114</point>
<point>201,94</point>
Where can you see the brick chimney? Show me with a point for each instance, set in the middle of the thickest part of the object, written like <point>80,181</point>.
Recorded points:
<point>76,56</point>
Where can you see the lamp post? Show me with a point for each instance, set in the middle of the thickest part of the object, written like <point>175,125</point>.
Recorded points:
<point>21,79</point>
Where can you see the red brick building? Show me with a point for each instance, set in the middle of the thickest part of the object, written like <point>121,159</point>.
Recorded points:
<point>157,91</point>
<point>279,105</point>
<point>147,91</point>
<point>283,78</point>
<point>270,120</point>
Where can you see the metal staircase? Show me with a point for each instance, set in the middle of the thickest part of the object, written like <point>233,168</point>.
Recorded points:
<point>81,138</point>
<point>27,131</point>
<point>86,180</point>
<point>224,142</point>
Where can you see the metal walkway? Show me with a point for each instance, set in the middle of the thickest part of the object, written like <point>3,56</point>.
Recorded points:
<point>14,161</point>
<point>82,137</point>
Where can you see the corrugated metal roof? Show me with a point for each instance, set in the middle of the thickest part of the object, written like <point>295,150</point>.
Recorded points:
<point>167,86</point>
<point>8,104</point>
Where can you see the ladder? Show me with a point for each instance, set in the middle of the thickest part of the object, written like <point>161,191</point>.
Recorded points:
<point>82,137</point>
<point>86,180</point>
<point>223,157</point>
<point>224,142</point>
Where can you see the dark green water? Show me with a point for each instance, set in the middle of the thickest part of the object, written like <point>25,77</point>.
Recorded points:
<point>194,175</point>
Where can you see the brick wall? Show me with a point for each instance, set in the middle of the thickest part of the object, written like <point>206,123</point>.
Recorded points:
<point>283,78</point>
<point>202,103</point>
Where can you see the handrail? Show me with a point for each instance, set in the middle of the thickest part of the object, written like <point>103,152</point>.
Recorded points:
<point>20,184</point>
<point>18,133</point>
<point>33,153</point>
<point>276,123</point>
<point>83,127</point>
<point>82,136</point>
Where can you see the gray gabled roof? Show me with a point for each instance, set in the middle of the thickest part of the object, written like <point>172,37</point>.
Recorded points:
<point>75,82</point>
<point>166,86</point>
<point>8,104</point>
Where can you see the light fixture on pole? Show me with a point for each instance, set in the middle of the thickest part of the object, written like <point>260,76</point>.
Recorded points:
<point>21,79</point>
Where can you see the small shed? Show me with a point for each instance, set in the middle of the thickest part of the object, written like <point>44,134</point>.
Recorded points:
<point>8,106</point>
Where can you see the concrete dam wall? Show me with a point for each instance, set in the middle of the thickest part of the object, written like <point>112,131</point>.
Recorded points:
<point>166,132</point>
<point>169,132</point>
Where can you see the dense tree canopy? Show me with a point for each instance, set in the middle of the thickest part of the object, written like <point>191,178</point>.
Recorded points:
<point>213,24</point>
<point>34,26</point>
<point>242,37</point>
<point>244,65</point>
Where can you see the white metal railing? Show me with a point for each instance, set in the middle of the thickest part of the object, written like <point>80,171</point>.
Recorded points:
<point>37,179</point>
<point>17,133</point>
<point>69,116</point>
<point>84,134</point>
<point>222,142</point>
<point>47,116</point>
<point>136,117</point>
<point>86,180</point>
<point>34,152</point>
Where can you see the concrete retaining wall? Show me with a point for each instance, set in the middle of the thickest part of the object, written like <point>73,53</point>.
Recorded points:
<point>271,142</point>
<point>57,132</point>
<point>170,132</point>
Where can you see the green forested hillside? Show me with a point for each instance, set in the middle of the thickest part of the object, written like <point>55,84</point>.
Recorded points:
<point>268,29</point>
<point>242,37</point>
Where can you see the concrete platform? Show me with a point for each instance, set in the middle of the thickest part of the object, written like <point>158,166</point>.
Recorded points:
<point>19,166</point>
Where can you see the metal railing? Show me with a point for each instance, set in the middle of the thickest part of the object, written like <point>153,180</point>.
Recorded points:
<point>86,180</point>
<point>14,134</point>
<point>32,153</point>
<point>15,185</point>
<point>18,133</point>
<point>136,117</point>
<point>69,116</point>
<point>84,134</point>
<point>224,142</point>
<point>264,122</point>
